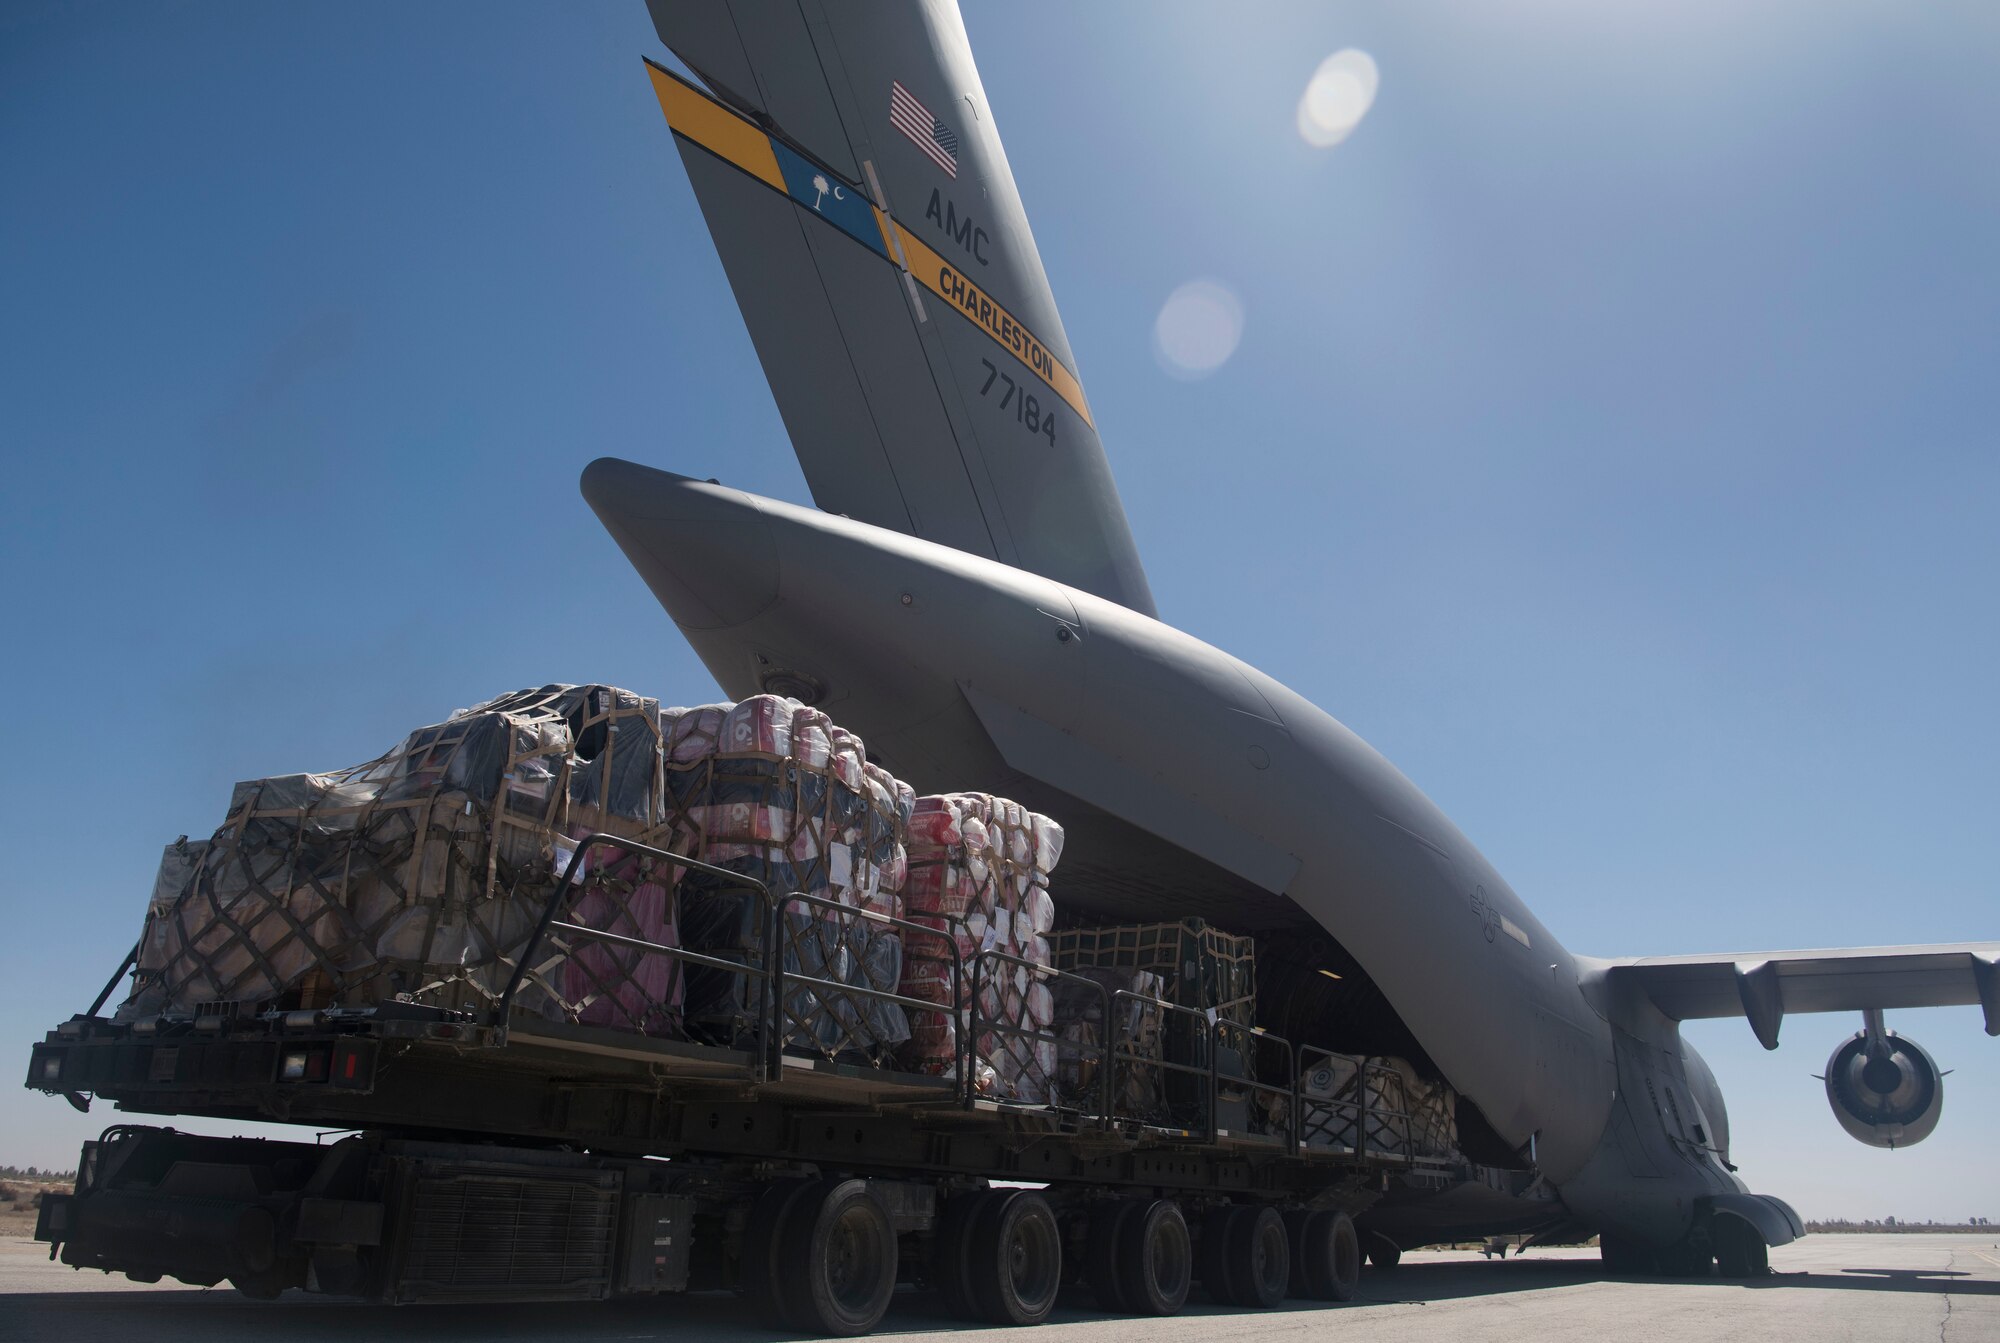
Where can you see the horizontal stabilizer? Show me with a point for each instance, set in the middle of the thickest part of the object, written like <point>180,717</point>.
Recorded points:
<point>1765,985</point>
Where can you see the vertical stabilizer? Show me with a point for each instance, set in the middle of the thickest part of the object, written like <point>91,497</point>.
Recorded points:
<point>847,163</point>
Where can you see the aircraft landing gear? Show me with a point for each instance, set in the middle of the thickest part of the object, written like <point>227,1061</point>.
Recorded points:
<point>1383,1253</point>
<point>1739,1251</point>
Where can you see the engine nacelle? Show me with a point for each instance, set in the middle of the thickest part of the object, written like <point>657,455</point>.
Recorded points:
<point>1889,1096</point>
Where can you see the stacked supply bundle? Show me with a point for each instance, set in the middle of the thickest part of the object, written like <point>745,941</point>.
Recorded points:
<point>979,874</point>
<point>421,874</point>
<point>770,788</point>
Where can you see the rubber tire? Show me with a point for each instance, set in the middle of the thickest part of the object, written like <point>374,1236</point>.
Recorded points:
<point>951,1247</point>
<point>1740,1252</point>
<point>1295,1228</point>
<point>1683,1259</point>
<point>837,1223</point>
<point>1016,1260</point>
<point>1156,1259</point>
<point>1103,1258</point>
<point>1383,1253</point>
<point>1260,1258</point>
<point>1216,1274</point>
<point>1625,1258</point>
<point>1331,1257</point>
<point>761,1278</point>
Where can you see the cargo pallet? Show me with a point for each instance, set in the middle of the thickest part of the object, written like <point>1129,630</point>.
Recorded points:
<point>501,1156</point>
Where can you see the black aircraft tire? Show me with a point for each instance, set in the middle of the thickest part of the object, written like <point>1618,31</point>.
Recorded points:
<point>1216,1275</point>
<point>1739,1251</point>
<point>1623,1258</point>
<point>1016,1259</point>
<point>1383,1253</point>
<point>1683,1259</point>
<point>1331,1257</point>
<point>1101,1260</point>
<point>1156,1259</point>
<point>1260,1258</point>
<point>840,1251</point>
<point>951,1249</point>
<point>761,1279</point>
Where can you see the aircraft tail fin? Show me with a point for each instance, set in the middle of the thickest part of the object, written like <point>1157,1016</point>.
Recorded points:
<point>864,211</point>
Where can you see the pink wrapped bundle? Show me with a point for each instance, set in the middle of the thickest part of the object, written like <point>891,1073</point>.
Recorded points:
<point>743,823</point>
<point>623,987</point>
<point>849,759</point>
<point>811,745</point>
<point>760,725</point>
<point>935,886</point>
<point>937,822</point>
<point>693,735</point>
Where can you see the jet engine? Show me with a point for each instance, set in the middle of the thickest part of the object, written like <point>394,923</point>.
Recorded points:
<point>1884,1089</point>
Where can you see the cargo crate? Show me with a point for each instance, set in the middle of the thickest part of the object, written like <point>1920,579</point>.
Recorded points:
<point>1200,967</point>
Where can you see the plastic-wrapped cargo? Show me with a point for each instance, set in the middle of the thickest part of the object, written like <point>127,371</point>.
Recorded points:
<point>421,874</point>
<point>772,789</point>
<point>979,869</point>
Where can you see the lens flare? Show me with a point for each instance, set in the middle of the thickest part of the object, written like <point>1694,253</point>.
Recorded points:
<point>1198,328</point>
<point>1337,96</point>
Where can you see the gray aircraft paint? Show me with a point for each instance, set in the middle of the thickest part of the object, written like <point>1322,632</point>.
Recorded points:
<point>981,618</point>
<point>878,381</point>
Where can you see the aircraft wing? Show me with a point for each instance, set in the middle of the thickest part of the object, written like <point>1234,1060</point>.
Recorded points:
<point>846,161</point>
<point>1764,985</point>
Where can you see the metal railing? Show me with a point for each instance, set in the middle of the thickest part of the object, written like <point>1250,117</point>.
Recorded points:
<point>775,1023</point>
<point>566,890</point>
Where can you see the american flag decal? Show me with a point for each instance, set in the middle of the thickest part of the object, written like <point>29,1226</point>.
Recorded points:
<point>926,132</point>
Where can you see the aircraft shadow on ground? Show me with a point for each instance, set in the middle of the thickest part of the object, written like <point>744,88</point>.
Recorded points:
<point>169,1316</point>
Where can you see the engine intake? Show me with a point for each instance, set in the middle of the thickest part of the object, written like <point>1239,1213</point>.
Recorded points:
<point>1884,1089</point>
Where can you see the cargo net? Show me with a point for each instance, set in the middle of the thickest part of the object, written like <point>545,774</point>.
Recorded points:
<point>979,871</point>
<point>1176,992</point>
<point>772,789</point>
<point>1375,1107</point>
<point>419,875</point>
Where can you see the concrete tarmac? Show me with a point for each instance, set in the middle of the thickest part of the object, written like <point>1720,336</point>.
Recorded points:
<point>1823,1289</point>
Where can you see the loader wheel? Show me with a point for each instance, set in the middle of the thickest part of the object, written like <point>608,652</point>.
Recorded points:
<point>1215,1237</point>
<point>1016,1260</point>
<point>951,1250</point>
<point>1103,1260</point>
<point>763,1277</point>
<point>841,1249</point>
<point>1155,1259</point>
<point>1258,1258</point>
<point>1327,1259</point>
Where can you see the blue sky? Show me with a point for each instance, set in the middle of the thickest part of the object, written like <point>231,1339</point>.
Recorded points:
<point>1612,440</point>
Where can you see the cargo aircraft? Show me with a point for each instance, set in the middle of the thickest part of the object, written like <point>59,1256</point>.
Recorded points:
<point>968,596</point>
